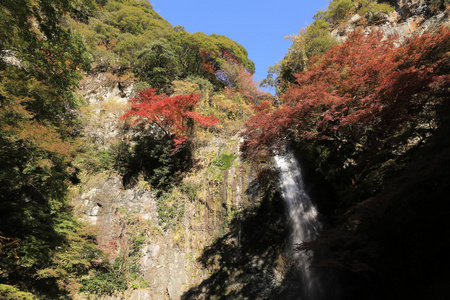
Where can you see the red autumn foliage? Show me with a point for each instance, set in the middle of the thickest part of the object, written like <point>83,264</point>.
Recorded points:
<point>174,115</point>
<point>239,81</point>
<point>208,63</point>
<point>361,92</point>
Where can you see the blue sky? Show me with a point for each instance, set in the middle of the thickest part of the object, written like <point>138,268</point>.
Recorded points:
<point>260,26</point>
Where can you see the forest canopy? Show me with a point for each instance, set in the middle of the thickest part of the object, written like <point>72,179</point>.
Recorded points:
<point>130,36</point>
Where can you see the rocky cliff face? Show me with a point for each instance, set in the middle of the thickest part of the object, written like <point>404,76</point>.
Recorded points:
<point>206,237</point>
<point>173,230</point>
<point>107,96</point>
<point>168,257</point>
<point>410,17</point>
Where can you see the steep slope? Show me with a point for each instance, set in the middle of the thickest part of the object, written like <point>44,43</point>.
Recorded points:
<point>161,233</point>
<point>152,210</point>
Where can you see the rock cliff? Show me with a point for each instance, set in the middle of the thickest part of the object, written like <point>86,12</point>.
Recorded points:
<point>410,17</point>
<point>173,230</point>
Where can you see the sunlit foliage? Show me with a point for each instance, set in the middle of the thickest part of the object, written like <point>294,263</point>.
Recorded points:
<point>315,39</point>
<point>362,96</point>
<point>339,10</point>
<point>369,120</point>
<point>124,34</point>
<point>167,116</point>
<point>311,41</point>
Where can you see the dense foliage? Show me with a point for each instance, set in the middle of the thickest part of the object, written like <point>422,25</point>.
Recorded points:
<point>115,31</point>
<point>360,98</point>
<point>130,36</point>
<point>203,55</point>
<point>43,249</point>
<point>311,41</point>
<point>339,10</point>
<point>167,116</point>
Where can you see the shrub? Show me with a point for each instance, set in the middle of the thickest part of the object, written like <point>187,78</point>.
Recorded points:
<point>170,209</point>
<point>103,282</point>
<point>153,158</point>
<point>373,10</point>
<point>9,292</point>
<point>225,160</point>
<point>338,10</point>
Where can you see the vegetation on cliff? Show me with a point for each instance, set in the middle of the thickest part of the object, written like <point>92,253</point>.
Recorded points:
<point>316,39</point>
<point>131,37</point>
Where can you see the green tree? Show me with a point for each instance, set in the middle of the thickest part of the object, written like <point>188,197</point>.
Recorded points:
<point>338,10</point>
<point>202,55</point>
<point>157,64</point>
<point>116,31</point>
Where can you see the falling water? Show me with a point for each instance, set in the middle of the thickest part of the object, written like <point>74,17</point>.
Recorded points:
<point>303,221</point>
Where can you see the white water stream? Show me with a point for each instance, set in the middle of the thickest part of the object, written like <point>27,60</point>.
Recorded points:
<point>303,222</point>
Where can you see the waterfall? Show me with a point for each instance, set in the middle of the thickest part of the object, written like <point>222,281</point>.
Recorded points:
<point>303,222</point>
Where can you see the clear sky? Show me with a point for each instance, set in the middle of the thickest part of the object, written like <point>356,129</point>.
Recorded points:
<point>259,26</point>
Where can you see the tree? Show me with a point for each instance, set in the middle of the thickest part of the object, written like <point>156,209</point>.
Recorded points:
<point>40,62</point>
<point>202,55</point>
<point>157,64</point>
<point>167,116</point>
<point>362,96</point>
<point>239,80</point>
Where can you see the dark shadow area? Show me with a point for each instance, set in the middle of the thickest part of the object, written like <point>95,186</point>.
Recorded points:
<point>394,245</point>
<point>27,231</point>
<point>31,205</point>
<point>155,159</point>
<point>320,191</point>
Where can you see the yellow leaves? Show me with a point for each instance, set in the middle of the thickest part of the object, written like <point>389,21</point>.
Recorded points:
<point>12,292</point>
<point>296,37</point>
<point>182,87</point>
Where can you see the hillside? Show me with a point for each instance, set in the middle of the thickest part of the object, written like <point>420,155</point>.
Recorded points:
<point>138,158</point>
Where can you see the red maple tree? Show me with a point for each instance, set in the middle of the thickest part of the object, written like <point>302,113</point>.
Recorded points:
<point>174,116</point>
<point>360,93</point>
